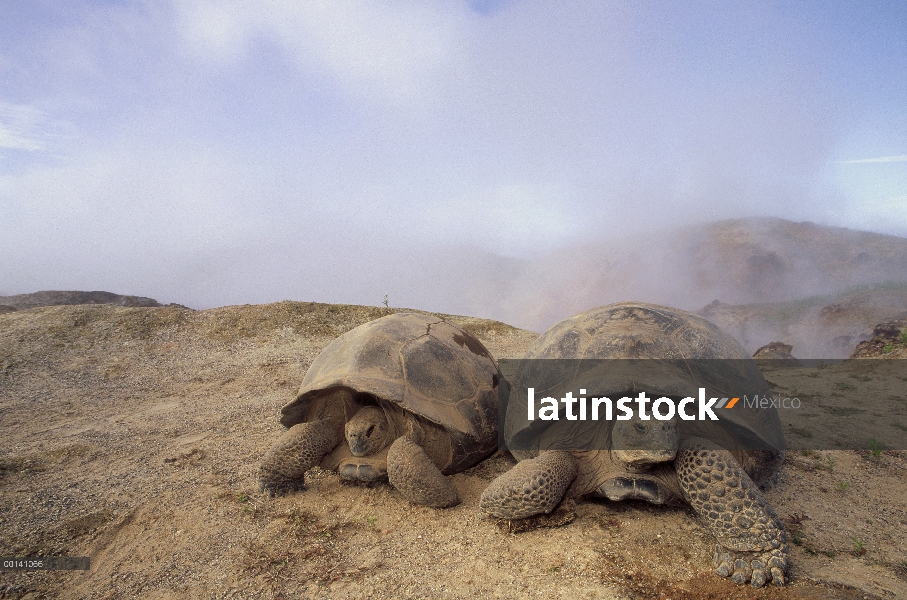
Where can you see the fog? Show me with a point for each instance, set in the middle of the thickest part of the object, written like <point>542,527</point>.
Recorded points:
<point>515,160</point>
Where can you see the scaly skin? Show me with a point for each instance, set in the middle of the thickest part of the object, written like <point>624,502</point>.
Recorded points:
<point>532,487</point>
<point>367,431</point>
<point>302,447</point>
<point>413,474</point>
<point>752,542</point>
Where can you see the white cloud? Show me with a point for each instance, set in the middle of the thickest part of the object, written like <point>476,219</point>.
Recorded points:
<point>127,201</point>
<point>881,159</point>
<point>388,51</point>
<point>19,127</point>
<point>218,32</point>
<point>8,139</point>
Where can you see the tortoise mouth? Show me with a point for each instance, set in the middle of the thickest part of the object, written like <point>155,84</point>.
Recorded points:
<point>359,447</point>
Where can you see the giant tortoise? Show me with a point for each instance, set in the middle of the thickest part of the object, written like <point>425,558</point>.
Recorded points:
<point>661,461</point>
<point>414,397</point>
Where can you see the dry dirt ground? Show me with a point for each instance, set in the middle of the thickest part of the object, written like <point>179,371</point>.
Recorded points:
<point>133,435</point>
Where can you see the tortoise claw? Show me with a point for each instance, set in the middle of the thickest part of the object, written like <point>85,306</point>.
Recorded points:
<point>756,568</point>
<point>280,488</point>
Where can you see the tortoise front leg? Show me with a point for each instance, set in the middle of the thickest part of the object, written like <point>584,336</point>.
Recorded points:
<point>299,449</point>
<point>413,474</point>
<point>752,542</point>
<point>533,487</point>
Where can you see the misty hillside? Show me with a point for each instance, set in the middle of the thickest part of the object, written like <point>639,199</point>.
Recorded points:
<point>740,261</point>
<point>774,259</point>
<point>833,284</point>
<point>828,326</point>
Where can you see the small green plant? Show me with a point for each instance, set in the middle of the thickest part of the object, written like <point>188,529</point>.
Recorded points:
<point>386,305</point>
<point>888,349</point>
<point>372,521</point>
<point>843,485</point>
<point>799,539</point>
<point>830,553</point>
<point>831,462</point>
<point>876,447</point>
<point>243,498</point>
<point>903,337</point>
<point>858,548</point>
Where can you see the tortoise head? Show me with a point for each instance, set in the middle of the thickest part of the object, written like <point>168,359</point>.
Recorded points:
<point>640,443</point>
<point>367,431</point>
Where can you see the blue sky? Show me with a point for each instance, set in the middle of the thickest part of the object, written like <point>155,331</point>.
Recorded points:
<point>221,152</point>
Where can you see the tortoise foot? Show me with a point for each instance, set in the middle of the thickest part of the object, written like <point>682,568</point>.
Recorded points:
<point>564,514</point>
<point>302,447</point>
<point>417,478</point>
<point>363,471</point>
<point>634,488</point>
<point>755,568</point>
<point>280,488</point>
<point>533,487</point>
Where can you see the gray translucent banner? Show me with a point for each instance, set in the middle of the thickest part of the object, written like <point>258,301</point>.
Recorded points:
<point>642,404</point>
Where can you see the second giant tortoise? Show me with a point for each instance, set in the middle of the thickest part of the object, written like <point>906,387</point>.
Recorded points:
<point>660,461</point>
<point>407,398</point>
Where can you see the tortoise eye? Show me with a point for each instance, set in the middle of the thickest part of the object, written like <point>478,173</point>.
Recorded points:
<point>370,430</point>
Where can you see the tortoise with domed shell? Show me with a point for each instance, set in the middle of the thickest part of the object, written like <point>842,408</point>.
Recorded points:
<point>652,460</point>
<point>408,398</point>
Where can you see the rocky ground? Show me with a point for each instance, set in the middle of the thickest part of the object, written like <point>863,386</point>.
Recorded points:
<point>132,435</point>
<point>888,340</point>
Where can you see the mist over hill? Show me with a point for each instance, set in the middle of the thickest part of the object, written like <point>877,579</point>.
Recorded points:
<point>740,261</point>
<point>819,288</point>
<point>828,326</point>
